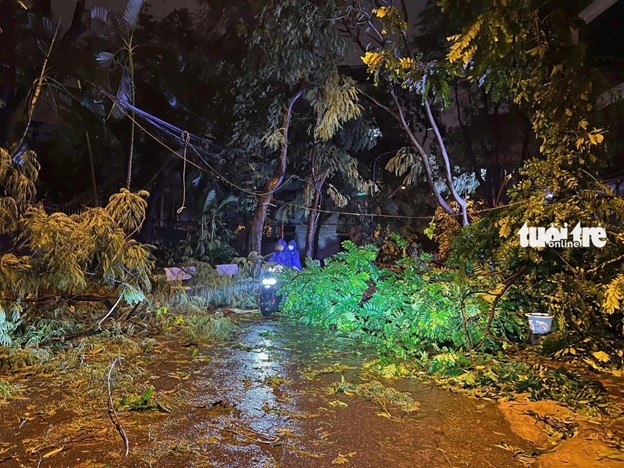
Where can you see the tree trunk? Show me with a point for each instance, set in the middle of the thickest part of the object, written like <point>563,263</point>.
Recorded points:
<point>447,166</point>
<point>320,220</point>
<point>257,224</point>
<point>313,219</point>
<point>132,115</point>
<point>423,156</point>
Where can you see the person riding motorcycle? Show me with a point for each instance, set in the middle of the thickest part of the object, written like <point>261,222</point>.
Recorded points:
<point>281,254</point>
<point>269,299</point>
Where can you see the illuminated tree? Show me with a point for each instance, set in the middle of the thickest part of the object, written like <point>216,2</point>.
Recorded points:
<point>532,47</point>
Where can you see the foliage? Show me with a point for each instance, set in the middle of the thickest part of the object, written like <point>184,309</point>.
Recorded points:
<point>213,235</point>
<point>331,295</point>
<point>65,249</point>
<point>404,313</point>
<point>225,290</point>
<point>529,46</point>
<point>392,62</point>
<point>208,327</point>
<point>599,353</point>
<point>9,321</point>
<point>144,402</point>
<point>377,393</point>
<point>293,59</point>
<point>444,228</point>
<point>498,376</point>
<point>311,373</point>
<point>207,289</point>
<point>127,209</point>
<point>56,253</point>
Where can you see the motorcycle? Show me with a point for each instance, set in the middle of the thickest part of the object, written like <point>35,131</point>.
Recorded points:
<point>269,299</point>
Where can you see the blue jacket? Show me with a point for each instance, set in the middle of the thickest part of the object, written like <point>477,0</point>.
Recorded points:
<point>294,255</point>
<point>282,256</point>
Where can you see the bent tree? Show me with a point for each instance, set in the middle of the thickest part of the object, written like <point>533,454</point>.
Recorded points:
<point>410,83</point>
<point>66,257</point>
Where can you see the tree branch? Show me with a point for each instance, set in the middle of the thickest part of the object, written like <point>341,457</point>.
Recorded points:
<point>112,414</point>
<point>447,164</point>
<point>423,155</point>
<point>507,283</point>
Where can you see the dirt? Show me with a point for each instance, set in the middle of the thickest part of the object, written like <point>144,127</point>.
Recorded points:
<point>248,403</point>
<point>564,437</point>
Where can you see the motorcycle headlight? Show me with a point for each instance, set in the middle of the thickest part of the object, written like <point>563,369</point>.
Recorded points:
<point>269,281</point>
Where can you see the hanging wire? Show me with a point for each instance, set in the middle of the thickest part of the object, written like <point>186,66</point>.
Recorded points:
<point>186,137</point>
<point>211,170</point>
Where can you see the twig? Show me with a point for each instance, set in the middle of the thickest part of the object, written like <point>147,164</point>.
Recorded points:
<point>109,312</point>
<point>462,309</point>
<point>445,456</point>
<point>111,410</point>
<point>35,300</point>
<point>130,312</point>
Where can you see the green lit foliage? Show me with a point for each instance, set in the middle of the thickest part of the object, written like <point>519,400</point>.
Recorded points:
<point>404,313</point>
<point>530,44</point>
<point>144,402</point>
<point>331,295</point>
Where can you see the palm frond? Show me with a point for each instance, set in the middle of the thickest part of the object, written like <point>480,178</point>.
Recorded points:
<point>131,14</point>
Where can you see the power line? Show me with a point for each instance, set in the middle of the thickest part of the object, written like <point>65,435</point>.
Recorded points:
<point>213,171</point>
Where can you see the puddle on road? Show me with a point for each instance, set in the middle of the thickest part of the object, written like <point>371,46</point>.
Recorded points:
<point>247,403</point>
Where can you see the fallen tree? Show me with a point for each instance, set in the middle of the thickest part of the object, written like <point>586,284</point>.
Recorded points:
<point>91,254</point>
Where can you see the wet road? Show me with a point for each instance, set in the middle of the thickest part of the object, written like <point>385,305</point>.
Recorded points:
<point>263,396</point>
<point>256,402</point>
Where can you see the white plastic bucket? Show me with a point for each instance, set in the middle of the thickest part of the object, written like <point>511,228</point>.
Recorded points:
<point>540,323</point>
